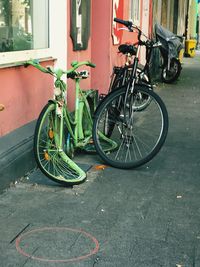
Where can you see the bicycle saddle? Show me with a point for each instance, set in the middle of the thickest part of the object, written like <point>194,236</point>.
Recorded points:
<point>125,49</point>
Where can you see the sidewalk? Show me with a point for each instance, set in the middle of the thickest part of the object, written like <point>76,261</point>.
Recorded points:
<point>147,217</point>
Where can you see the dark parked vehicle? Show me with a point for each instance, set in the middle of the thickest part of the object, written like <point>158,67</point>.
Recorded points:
<point>171,49</point>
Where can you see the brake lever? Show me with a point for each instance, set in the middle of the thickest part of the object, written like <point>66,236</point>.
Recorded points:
<point>123,29</point>
<point>26,65</point>
<point>130,29</point>
<point>50,69</point>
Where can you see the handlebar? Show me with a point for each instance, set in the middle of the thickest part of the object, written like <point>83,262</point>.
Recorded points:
<point>129,24</point>
<point>126,23</point>
<point>75,65</point>
<point>58,72</point>
<point>35,63</point>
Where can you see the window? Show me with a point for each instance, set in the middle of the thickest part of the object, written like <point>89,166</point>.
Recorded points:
<point>40,28</point>
<point>135,12</point>
<point>23,25</point>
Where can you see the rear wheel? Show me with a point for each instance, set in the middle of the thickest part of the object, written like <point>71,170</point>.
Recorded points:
<point>139,134</point>
<point>123,76</point>
<point>51,153</point>
<point>171,75</point>
<point>88,113</point>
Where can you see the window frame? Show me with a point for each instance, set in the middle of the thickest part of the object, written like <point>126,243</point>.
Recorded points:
<point>57,39</point>
<point>133,11</point>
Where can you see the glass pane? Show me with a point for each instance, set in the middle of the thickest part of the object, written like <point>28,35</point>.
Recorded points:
<point>23,25</point>
<point>135,11</point>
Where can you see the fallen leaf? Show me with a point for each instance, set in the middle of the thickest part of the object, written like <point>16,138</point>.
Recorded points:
<point>100,167</point>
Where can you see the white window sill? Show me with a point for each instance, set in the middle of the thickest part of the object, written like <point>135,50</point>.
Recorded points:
<point>21,63</point>
<point>18,56</point>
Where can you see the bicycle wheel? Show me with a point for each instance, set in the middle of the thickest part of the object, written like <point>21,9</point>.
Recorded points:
<point>88,112</point>
<point>52,158</point>
<point>139,134</point>
<point>171,75</point>
<point>123,76</point>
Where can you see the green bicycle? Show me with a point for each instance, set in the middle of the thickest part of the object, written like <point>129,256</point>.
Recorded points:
<point>59,133</point>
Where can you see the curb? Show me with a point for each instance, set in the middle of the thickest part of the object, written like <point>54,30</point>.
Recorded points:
<point>16,155</point>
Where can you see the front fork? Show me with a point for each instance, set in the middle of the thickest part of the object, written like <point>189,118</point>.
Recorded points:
<point>81,103</point>
<point>59,124</point>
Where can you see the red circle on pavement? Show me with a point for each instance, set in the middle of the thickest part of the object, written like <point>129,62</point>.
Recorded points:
<point>92,239</point>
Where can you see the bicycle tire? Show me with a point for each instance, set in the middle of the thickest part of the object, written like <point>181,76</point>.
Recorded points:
<point>171,76</point>
<point>120,78</point>
<point>131,131</point>
<point>123,76</point>
<point>88,113</point>
<point>53,160</point>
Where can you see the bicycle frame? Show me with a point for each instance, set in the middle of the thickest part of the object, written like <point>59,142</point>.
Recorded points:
<point>74,125</point>
<point>58,133</point>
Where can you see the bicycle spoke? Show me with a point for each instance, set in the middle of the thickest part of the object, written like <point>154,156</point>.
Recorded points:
<point>139,134</point>
<point>49,149</point>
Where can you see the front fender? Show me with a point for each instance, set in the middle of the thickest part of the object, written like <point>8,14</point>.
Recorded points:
<point>142,84</point>
<point>145,84</point>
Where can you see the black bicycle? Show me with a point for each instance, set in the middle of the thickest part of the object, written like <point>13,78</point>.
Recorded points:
<point>138,133</point>
<point>121,75</point>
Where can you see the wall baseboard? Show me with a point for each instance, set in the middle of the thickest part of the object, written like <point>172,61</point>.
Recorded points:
<point>16,154</point>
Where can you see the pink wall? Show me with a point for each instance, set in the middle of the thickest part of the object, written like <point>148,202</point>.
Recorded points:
<point>101,39</point>
<point>79,56</point>
<point>104,53</point>
<point>23,93</point>
<point>101,50</point>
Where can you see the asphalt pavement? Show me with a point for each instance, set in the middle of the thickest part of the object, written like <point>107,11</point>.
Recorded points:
<point>147,217</point>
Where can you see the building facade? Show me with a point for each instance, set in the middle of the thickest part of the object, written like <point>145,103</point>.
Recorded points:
<point>198,26</point>
<point>172,14</point>
<point>105,36</point>
<point>73,30</point>
<point>192,19</point>
<point>58,34</point>
<point>28,29</point>
<point>179,16</point>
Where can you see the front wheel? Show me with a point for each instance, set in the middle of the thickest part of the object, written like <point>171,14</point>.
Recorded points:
<point>170,75</point>
<point>53,146</point>
<point>139,134</point>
